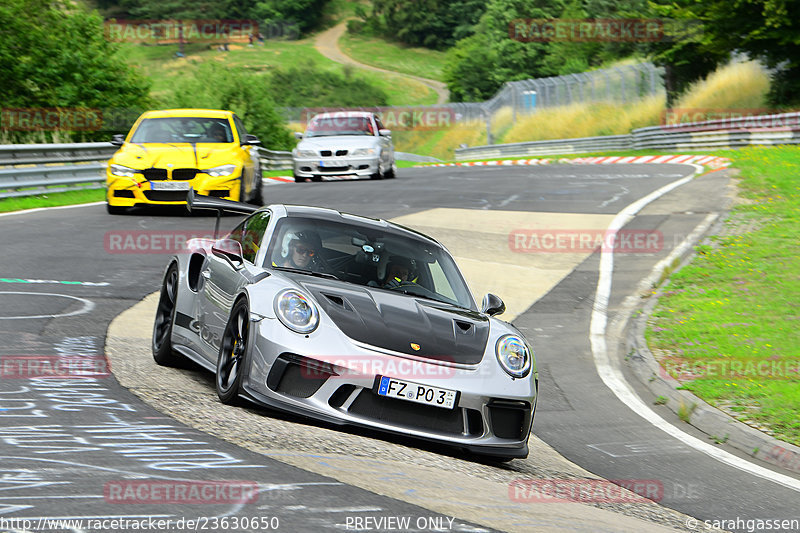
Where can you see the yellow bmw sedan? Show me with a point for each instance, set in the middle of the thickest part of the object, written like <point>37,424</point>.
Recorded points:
<point>168,151</point>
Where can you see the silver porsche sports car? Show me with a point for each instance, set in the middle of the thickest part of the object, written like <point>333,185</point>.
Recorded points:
<point>349,320</point>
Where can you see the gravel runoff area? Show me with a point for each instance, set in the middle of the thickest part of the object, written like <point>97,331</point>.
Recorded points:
<point>444,483</point>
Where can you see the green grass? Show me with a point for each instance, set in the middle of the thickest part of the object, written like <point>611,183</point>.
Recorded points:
<point>377,52</point>
<point>727,323</point>
<point>52,200</point>
<point>159,64</point>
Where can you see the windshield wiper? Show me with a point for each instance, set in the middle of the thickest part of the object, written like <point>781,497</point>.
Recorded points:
<point>308,272</point>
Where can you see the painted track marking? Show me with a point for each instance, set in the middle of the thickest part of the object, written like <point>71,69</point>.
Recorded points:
<point>613,378</point>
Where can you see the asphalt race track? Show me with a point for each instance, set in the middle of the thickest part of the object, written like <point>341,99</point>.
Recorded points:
<point>70,448</point>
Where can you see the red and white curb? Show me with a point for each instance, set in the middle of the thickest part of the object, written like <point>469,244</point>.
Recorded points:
<point>275,180</point>
<point>711,161</point>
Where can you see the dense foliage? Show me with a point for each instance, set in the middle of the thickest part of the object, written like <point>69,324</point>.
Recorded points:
<point>768,30</point>
<point>305,15</point>
<point>436,24</point>
<point>53,55</point>
<point>214,86</point>
<point>479,64</point>
<point>307,86</point>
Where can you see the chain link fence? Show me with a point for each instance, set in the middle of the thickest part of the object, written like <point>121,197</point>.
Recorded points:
<point>622,84</point>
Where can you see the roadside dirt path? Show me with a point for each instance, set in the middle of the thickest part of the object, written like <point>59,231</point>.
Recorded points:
<point>327,43</point>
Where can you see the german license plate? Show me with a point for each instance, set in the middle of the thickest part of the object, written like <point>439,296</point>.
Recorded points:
<point>169,185</point>
<point>415,392</point>
<point>331,163</point>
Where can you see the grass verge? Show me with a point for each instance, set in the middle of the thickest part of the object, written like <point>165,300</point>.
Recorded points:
<point>52,199</point>
<point>380,53</point>
<point>726,325</point>
<point>159,64</point>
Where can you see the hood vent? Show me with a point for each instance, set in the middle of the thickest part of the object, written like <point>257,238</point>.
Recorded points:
<point>337,300</point>
<point>464,328</point>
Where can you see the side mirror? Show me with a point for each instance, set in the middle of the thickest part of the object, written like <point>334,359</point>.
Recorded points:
<point>385,133</point>
<point>229,250</point>
<point>117,139</point>
<point>298,135</point>
<point>251,140</point>
<point>493,305</point>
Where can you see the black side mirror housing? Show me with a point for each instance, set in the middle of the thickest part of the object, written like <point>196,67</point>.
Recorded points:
<point>251,140</point>
<point>493,305</point>
<point>229,250</point>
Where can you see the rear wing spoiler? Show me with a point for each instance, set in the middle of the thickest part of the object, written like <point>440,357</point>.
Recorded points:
<point>199,202</point>
<point>196,201</point>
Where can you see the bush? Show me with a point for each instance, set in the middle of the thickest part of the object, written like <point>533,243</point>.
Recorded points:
<point>308,86</point>
<point>246,93</point>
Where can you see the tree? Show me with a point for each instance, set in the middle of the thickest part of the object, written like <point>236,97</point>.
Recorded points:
<point>53,54</point>
<point>433,24</point>
<point>214,86</point>
<point>480,64</point>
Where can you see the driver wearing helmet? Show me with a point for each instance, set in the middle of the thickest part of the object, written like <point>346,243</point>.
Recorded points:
<point>399,272</point>
<point>218,133</point>
<point>299,250</point>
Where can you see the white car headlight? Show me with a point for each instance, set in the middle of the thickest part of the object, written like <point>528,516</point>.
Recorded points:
<point>296,311</point>
<point>306,153</point>
<point>514,356</point>
<point>220,171</point>
<point>122,171</point>
<point>363,151</point>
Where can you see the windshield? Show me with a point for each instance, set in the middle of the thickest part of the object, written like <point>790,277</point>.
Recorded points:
<point>183,130</point>
<point>339,125</point>
<point>373,257</point>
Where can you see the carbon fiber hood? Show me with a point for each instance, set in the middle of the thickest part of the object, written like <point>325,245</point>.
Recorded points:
<point>396,321</point>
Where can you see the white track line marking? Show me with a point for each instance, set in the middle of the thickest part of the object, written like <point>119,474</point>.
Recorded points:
<point>37,209</point>
<point>614,379</point>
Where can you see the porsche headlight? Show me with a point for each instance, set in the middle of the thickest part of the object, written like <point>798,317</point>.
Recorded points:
<point>122,171</point>
<point>296,311</point>
<point>514,356</point>
<point>306,153</point>
<point>363,151</point>
<point>221,171</point>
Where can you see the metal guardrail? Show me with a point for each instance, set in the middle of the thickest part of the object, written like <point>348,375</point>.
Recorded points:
<point>720,134</point>
<point>537,148</point>
<point>30,169</point>
<point>275,160</point>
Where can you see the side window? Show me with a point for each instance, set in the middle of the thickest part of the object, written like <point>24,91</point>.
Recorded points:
<point>250,233</point>
<point>379,123</point>
<point>240,129</point>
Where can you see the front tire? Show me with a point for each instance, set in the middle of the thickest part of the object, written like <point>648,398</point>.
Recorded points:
<point>392,172</point>
<point>163,353</point>
<point>115,209</point>
<point>233,354</point>
<point>258,197</point>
